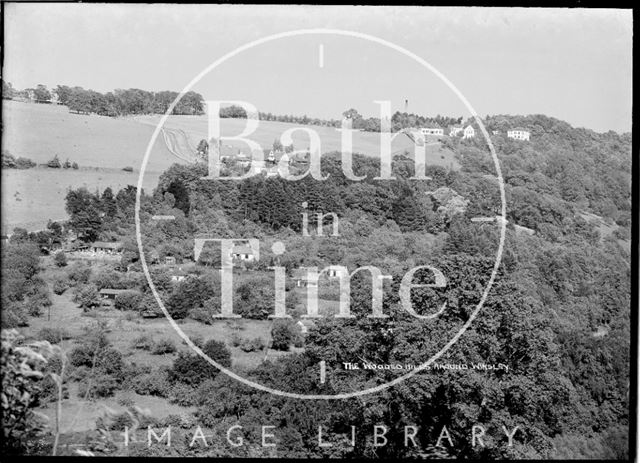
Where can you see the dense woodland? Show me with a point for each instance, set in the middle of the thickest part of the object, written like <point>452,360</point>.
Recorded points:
<point>556,292</point>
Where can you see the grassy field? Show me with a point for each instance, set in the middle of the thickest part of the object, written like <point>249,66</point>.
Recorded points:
<point>363,142</point>
<point>31,197</point>
<point>39,132</point>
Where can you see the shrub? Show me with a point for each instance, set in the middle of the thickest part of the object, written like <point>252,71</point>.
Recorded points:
<point>188,294</point>
<point>126,400</point>
<point>60,285</point>
<point>74,166</point>
<point>251,345</point>
<point>282,335</point>
<point>87,297</point>
<point>20,392</point>
<point>79,273</point>
<point>218,352</point>
<point>53,335</point>
<point>143,342</point>
<point>14,315</point>
<point>129,300</point>
<point>60,259</point>
<point>192,369</point>
<point>182,395</point>
<point>24,163</point>
<point>155,383</point>
<point>201,315</point>
<point>110,361</point>
<point>98,385</point>
<point>8,161</point>
<point>54,163</point>
<point>236,340</point>
<point>164,346</point>
<point>107,278</point>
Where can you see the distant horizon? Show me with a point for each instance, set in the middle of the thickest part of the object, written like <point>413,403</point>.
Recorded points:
<point>311,116</point>
<point>574,65</point>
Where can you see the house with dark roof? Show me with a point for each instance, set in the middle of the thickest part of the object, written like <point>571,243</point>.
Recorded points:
<point>243,252</point>
<point>106,247</point>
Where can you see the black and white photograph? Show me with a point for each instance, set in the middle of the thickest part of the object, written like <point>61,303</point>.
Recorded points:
<point>302,231</point>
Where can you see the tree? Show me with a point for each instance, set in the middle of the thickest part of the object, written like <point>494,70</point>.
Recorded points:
<point>87,297</point>
<point>84,209</point>
<point>192,369</point>
<point>60,259</point>
<point>42,93</point>
<point>22,369</point>
<point>7,90</point>
<point>64,93</point>
<point>282,335</point>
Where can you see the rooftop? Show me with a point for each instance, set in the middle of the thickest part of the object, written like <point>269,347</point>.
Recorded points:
<point>107,245</point>
<point>114,291</point>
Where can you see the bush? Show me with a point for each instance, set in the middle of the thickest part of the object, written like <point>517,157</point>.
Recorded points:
<point>74,166</point>
<point>201,315</point>
<point>143,342</point>
<point>14,315</point>
<point>87,297</point>
<point>236,340</point>
<point>79,273</point>
<point>155,383</point>
<point>8,161</point>
<point>126,400</point>
<point>182,395</point>
<point>282,335</point>
<point>252,345</point>
<point>60,259</point>
<point>24,163</point>
<point>54,163</point>
<point>129,300</point>
<point>107,278</point>
<point>164,346</point>
<point>53,335</point>
<point>192,369</point>
<point>60,285</point>
<point>189,294</point>
<point>98,385</point>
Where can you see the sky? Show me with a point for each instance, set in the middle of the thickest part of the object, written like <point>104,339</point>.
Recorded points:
<point>572,64</point>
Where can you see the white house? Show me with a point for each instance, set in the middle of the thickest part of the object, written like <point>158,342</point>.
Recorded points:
<point>437,131</point>
<point>469,132</point>
<point>519,134</point>
<point>243,252</point>
<point>454,131</point>
<point>178,276</point>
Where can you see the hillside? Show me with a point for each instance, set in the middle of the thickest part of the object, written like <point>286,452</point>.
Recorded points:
<point>102,146</point>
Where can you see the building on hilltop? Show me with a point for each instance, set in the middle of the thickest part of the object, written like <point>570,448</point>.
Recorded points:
<point>454,131</point>
<point>432,130</point>
<point>519,134</point>
<point>469,132</point>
